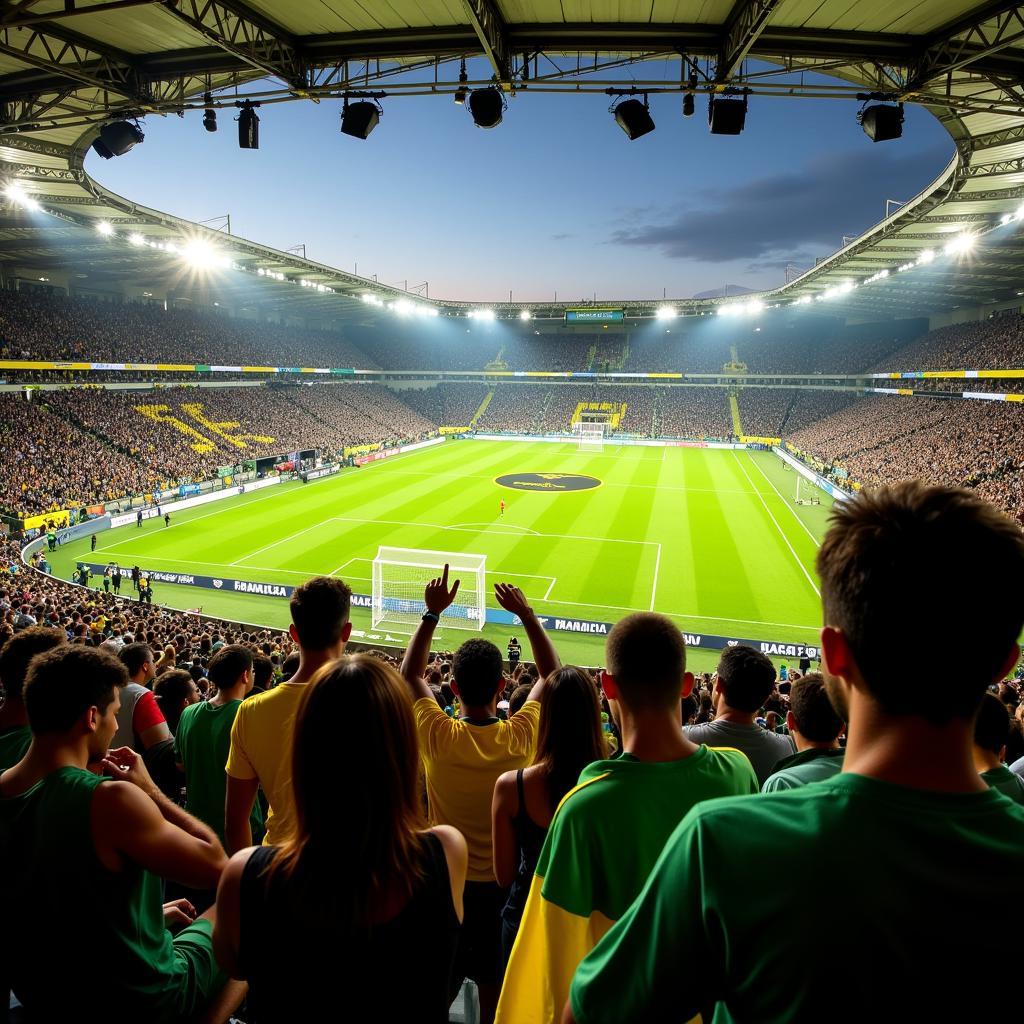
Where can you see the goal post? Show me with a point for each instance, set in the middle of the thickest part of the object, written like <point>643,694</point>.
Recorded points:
<point>400,575</point>
<point>590,436</point>
<point>806,492</point>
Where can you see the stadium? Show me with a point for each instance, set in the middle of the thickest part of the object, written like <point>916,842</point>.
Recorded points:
<point>667,472</point>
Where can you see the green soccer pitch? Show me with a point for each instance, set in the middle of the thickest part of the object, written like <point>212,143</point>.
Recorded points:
<point>710,537</point>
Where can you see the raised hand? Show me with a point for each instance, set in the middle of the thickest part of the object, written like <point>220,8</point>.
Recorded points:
<point>437,596</point>
<point>512,599</point>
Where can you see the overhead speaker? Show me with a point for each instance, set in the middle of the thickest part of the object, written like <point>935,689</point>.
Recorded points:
<point>486,107</point>
<point>727,116</point>
<point>633,117</point>
<point>359,119</point>
<point>248,127</point>
<point>117,138</point>
<point>882,122</point>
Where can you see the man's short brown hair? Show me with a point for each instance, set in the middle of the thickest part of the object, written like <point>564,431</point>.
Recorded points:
<point>320,609</point>
<point>19,651</point>
<point>909,572</point>
<point>646,656</point>
<point>816,718</point>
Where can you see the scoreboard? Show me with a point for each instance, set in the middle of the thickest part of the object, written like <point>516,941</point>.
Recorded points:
<point>592,315</point>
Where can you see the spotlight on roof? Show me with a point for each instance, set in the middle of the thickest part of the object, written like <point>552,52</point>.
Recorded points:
<point>666,313</point>
<point>359,119</point>
<point>481,314</point>
<point>248,126</point>
<point>117,138</point>
<point>136,239</point>
<point>525,314</point>
<point>209,114</point>
<point>16,193</point>
<point>199,253</point>
<point>462,92</point>
<point>963,243</point>
<point>105,228</point>
<point>486,107</point>
<point>634,118</point>
<point>727,114</point>
<point>882,122</point>
<point>926,256</point>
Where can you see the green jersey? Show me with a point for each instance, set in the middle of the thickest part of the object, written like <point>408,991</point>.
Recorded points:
<point>1008,783</point>
<point>69,914</point>
<point>839,901</point>
<point>201,744</point>
<point>14,744</point>
<point>811,765</point>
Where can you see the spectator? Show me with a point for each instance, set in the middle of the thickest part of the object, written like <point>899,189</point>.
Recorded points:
<point>463,758</point>
<point>570,738</point>
<point>519,696</point>
<point>261,735</point>
<point>745,681</point>
<point>991,731</point>
<point>354,893</point>
<point>174,691</point>
<point>815,727</point>
<point>140,722</point>
<point>15,658</point>
<point>900,823</point>
<point>68,835</point>
<point>609,831</point>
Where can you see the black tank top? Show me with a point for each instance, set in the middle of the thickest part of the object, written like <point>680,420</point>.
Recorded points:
<point>530,839</point>
<point>296,967</point>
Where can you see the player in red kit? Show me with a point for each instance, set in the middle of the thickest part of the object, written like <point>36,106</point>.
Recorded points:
<point>502,507</point>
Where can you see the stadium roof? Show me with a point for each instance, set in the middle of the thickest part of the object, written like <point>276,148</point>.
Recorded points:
<point>69,66</point>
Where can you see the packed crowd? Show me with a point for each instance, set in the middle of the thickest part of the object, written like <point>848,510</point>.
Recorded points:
<point>694,412</point>
<point>447,405</point>
<point>961,443</point>
<point>583,848</point>
<point>993,344</point>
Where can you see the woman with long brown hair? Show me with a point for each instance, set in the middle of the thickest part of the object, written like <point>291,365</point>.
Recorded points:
<point>569,738</point>
<point>360,908</point>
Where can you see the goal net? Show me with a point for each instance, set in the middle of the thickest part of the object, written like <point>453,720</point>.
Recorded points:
<point>590,436</point>
<point>400,575</point>
<point>806,492</point>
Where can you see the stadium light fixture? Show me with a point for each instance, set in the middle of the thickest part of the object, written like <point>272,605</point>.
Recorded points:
<point>200,254</point>
<point>727,114</point>
<point>881,122</point>
<point>925,256</point>
<point>525,314</point>
<point>666,313</point>
<point>486,106</point>
<point>688,97</point>
<point>462,92</point>
<point>17,194</point>
<point>633,116</point>
<point>248,125</point>
<point>482,314</point>
<point>117,138</point>
<point>209,114</point>
<point>136,239</point>
<point>359,119</point>
<point>105,228</point>
<point>963,243</point>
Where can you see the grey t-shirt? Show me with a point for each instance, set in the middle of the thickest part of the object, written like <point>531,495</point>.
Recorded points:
<point>763,748</point>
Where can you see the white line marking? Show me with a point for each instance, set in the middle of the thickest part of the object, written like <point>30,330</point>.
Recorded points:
<point>782,534</point>
<point>817,543</point>
<point>273,544</point>
<point>489,526</point>
<point>654,586</point>
<point>551,586</point>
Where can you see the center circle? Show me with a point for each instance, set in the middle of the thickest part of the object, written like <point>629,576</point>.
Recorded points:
<point>550,482</point>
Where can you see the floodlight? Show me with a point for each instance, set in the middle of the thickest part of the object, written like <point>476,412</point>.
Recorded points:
<point>199,253</point>
<point>486,107</point>
<point>136,239</point>
<point>359,119</point>
<point>963,243</point>
<point>926,256</point>
<point>105,228</point>
<point>634,118</point>
<point>248,126</point>
<point>727,115</point>
<point>882,122</point>
<point>525,314</point>
<point>688,100</point>
<point>116,138</point>
<point>16,193</point>
<point>462,92</point>
<point>666,313</point>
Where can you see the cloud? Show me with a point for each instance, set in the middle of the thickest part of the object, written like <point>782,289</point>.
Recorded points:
<point>562,236</point>
<point>783,216</point>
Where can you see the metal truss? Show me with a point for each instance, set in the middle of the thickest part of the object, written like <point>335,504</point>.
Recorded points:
<point>489,25</point>
<point>247,36</point>
<point>747,20</point>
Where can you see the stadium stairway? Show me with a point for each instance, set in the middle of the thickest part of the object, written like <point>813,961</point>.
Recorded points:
<point>734,409</point>
<point>483,408</point>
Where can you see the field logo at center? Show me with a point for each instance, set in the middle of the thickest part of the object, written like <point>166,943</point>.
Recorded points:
<point>551,482</point>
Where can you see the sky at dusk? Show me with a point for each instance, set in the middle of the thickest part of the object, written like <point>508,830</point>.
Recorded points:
<point>554,200</point>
